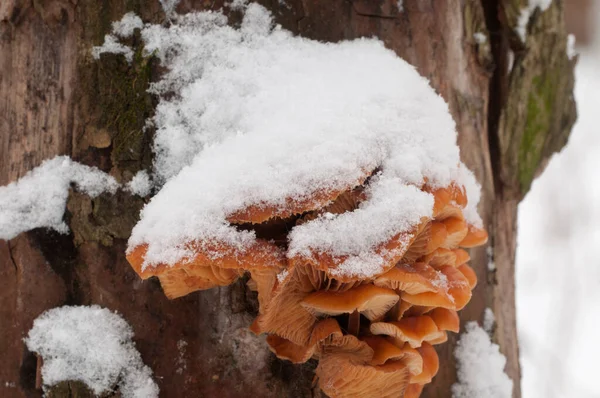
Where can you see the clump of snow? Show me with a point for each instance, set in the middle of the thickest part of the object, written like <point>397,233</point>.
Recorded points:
<point>125,27</point>
<point>38,199</point>
<point>466,178</point>
<point>140,184</point>
<point>491,265</point>
<point>238,5</point>
<point>526,13</point>
<point>480,38</point>
<point>571,46</point>
<point>256,116</point>
<point>391,208</point>
<point>92,345</point>
<point>480,366</point>
<point>400,5</point>
<point>111,45</point>
<point>489,319</point>
<point>282,275</point>
<point>168,6</point>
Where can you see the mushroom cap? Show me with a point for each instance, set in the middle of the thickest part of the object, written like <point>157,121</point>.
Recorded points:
<point>431,364</point>
<point>178,283</point>
<point>462,256</point>
<point>371,301</point>
<point>438,236</point>
<point>456,229</point>
<point>475,237</point>
<point>390,252</point>
<point>263,281</point>
<point>413,330</point>
<point>441,298</point>
<point>347,201</point>
<point>440,257</point>
<point>420,245</point>
<point>260,212</point>
<point>284,316</point>
<point>470,274</point>
<point>285,349</point>
<point>453,195</point>
<point>445,319</point>
<point>411,278</point>
<point>385,350</point>
<point>441,338</point>
<point>261,254</point>
<point>413,390</point>
<point>458,286</point>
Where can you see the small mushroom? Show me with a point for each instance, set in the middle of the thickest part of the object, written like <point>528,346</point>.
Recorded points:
<point>411,278</point>
<point>475,237</point>
<point>440,257</point>
<point>369,300</point>
<point>456,229</point>
<point>384,351</point>
<point>431,364</point>
<point>445,319</point>
<point>285,349</point>
<point>413,330</point>
<point>438,236</point>
<point>413,390</point>
<point>462,256</point>
<point>469,273</point>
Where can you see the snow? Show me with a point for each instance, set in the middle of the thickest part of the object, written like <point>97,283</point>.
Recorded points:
<point>491,265</point>
<point>526,14</point>
<point>489,320</point>
<point>168,6</point>
<point>92,345</point>
<point>256,116</point>
<point>140,184</point>
<point>557,273</point>
<point>39,198</point>
<point>400,5</point>
<point>480,366</point>
<point>480,38</point>
<point>125,27</point>
<point>571,46</point>
<point>111,45</point>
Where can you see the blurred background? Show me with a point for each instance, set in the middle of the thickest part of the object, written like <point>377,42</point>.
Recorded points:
<point>558,273</point>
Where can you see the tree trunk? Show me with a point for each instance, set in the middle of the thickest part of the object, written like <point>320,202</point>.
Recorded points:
<point>512,103</point>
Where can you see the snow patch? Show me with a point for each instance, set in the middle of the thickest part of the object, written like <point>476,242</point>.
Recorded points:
<point>125,27</point>
<point>39,198</point>
<point>92,345</point>
<point>489,320</point>
<point>571,46</point>
<point>400,5</point>
<point>491,265</point>
<point>480,366</point>
<point>526,14</point>
<point>140,184</point>
<point>480,38</point>
<point>111,45</point>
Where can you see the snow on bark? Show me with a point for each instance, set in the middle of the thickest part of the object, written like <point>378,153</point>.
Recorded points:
<point>39,198</point>
<point>480,366</point>
<point>92,345</point>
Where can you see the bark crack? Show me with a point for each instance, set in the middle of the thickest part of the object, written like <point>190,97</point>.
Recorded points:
<point>498,85</point>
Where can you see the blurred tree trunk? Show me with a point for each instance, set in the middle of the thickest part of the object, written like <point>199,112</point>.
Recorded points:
<point>512,103</point>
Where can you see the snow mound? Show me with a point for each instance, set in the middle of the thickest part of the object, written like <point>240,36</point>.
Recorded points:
<point>140,184</point>
<point>480,366</point>
<point>92,345</point>
<point>253,116</point>
<point>38,199</point>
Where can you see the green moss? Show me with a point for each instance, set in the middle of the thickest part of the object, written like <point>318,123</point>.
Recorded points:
<point>125,106</point>
<point>537,127</point>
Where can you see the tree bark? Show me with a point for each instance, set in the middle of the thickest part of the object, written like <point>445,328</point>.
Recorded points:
<point>55,99</point>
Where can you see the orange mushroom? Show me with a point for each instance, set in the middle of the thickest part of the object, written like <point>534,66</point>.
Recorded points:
<point>431,364</point>
<point>474,237</point>
<point>369,300</point>
<point>411,278</point>
<point>470,274</point>
<point>413,330</point>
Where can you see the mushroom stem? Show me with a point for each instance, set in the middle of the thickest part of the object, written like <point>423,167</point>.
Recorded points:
<point>354,323</point>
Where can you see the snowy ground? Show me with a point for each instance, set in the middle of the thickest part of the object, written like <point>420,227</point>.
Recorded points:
<point>558,273</point>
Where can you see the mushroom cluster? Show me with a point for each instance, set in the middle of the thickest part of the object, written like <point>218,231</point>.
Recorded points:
<point>372,335</point>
